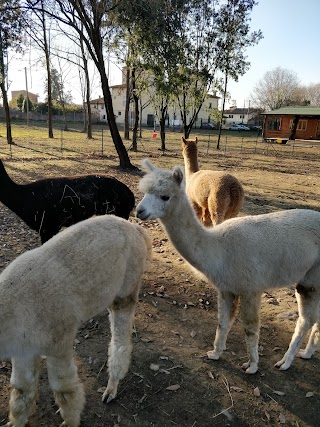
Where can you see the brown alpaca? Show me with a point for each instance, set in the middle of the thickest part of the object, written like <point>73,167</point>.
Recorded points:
<point>214,195</point>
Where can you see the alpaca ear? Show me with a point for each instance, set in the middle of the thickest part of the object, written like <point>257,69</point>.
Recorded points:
<point>183,140</point>
<point>178,175</point>
<point>196,140</point>
<point>147,166</point>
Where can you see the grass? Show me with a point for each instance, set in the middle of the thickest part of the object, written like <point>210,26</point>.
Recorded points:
<point>71,149</point>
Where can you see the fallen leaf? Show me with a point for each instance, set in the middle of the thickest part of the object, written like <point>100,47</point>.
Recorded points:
<point>154,367</point>
<point>146,340</point>
<point>309,394</point>
<point>210,375</point>
<point>173,387</point>
<point>282,419</point>
<point>256,391</point>
<point>236,388</point>
<point>279,393</point>
<point>102,389</point>
<point>193,334</point>
<point>267,415</point>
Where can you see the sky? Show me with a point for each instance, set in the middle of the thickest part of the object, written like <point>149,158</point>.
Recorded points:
<point>291,36</point>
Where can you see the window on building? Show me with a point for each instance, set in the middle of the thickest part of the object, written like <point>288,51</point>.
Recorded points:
<point>119,113</point>
<point>241,116</point>
<point>274,124</point>
<point>101,107</point>
<point>210,105</point>
<point>302,124</point>
<point>230,116</point>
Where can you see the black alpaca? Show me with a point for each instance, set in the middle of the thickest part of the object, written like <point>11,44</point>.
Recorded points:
<point>49,204</point>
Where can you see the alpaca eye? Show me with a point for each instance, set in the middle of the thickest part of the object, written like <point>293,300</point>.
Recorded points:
<point>164,198</point>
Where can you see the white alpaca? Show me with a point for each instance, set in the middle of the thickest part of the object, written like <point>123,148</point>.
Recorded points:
<point>243,257</point>
<point>45,295</point>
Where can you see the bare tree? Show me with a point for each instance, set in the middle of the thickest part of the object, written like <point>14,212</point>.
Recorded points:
<point>10,37</point>
<point>89,20</point>
<point>76,54</point>
<point>312,94</point>
<point>39,33</point>
<point>277,88</point>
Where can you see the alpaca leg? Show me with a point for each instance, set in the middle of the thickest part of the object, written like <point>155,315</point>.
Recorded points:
<point>24,381</point>
<point>218,204</point>
<point>227,310</point>
<point>198,210</point>
<point>208,218</point>
<point>250,314</point>
<point>121,316</point>
<point>308,305</point>
<point>313,342</point>
<point>67,389</point>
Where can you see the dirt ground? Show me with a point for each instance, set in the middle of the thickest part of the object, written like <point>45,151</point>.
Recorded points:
<point>170,381</point>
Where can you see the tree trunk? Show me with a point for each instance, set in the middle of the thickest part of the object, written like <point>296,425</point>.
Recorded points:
<point>7,111</point>
<point>162,123</point>
<point>223,106</point>
<point>140,120</point>
<point>88,91</point>
<point>127,106</point>
<point>88,106</point>
<point>47,57</point>
<point>292,136</point>
<point>64,116</point>
<point>5,96</point>
<point>136,111</point>
<point>163,133</point>
<point>120,148</point>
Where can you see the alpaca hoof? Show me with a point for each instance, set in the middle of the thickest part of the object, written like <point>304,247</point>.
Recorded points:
<point>304,354</point>
<point>250,367</point>
<point>213,355</point>
<point>108,396</point>
<point>111,391</point>
<point>283,364</point>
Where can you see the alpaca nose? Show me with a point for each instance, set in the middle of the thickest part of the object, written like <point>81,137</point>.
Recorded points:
<point>141,213</point>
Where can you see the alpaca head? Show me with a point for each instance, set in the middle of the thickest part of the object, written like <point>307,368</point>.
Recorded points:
<point>161,188</point>
<point>189,145</point>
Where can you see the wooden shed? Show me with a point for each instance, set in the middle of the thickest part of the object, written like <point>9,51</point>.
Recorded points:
<point>289,123</point>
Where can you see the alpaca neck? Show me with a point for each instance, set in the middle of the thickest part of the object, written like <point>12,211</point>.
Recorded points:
<point>190,163</point>
<point>190,238</point>
<point>8,188</point>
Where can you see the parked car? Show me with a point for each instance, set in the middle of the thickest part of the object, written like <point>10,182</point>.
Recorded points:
<point>239,127</point>
<point>254,127</point>
<point>207,126</point>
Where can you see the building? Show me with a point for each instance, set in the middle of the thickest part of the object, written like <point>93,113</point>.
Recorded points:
<point>98,109</point>
<point>147,113</point>
<point>278,124</point>
<point>243,116</point>
<point>32,96</point>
